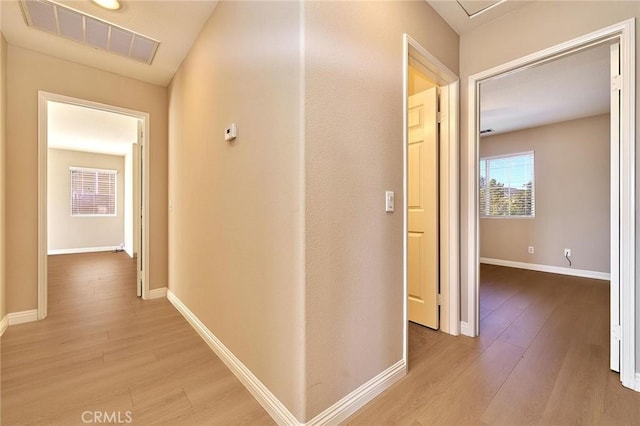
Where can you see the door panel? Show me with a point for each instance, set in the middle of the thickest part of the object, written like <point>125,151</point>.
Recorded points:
<point>423,209</point>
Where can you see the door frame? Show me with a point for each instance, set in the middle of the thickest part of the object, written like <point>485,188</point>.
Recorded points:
<point>624,33</point>
<point>449,186</point>
<point>43,99</point>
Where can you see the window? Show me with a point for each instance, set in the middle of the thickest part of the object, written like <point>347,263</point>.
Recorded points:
<point>93,192</point>
<point>507,186</point>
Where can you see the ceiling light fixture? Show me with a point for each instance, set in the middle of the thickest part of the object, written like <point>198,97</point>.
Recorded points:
<point>108,4</point>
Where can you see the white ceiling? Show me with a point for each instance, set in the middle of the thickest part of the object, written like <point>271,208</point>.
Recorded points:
<point>176,24</point>
<point>84,129</point>
<point>456,13</point>
<point>569,88</point>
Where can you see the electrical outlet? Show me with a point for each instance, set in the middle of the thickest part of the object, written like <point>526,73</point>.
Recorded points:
<point>530,249</point>
<point>567,252</point>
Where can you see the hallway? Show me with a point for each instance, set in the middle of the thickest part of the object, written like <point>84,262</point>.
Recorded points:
<point>104,350</point>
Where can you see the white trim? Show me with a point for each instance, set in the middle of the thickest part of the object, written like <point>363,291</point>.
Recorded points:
<point>547,268</point>
<point>14,318</point>
<point>464,329</point>
<point>625,33</point>
<point>43,99</point>
<point>82,250</point>
<point>637,383</point>
<point>351,403</point>
<point>338,412</point>
<point>449,187</point>
<point>4,324</point>
<point>158,293</point>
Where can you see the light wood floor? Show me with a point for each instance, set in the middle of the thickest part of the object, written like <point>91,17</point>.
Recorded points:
<point>542,358</point>
<point>101,348</point>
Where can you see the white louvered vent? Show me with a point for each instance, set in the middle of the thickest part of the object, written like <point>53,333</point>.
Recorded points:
<point>71,24</point>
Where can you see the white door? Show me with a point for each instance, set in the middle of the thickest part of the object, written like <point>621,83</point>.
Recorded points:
<point>615,201</point>
<point>137,207</point>
<point>423,209</point>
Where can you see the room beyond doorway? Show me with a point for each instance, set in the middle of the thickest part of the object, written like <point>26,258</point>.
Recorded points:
<point>138,220</point>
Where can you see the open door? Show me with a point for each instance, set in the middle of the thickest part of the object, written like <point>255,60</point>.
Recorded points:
<point>423,209</point>
<point>615,201</point>
<point>138,210</point>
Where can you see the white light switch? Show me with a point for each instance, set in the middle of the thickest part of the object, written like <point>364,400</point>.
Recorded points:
<point>231,132</point>
<point>389,201</point>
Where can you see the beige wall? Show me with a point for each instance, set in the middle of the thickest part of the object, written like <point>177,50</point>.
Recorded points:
<point>235,228</point>
<point>353,153</point>
<point>27,73</point>
<point>526,30</point>
<point>3,144</point>
<point>571,194</point>
<point>73,232</point>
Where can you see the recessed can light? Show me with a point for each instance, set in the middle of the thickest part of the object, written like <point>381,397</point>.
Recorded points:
<point>108,4</point>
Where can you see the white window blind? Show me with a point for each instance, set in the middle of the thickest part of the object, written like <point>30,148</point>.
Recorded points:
<point>507,186</point>
<point>93,192</point>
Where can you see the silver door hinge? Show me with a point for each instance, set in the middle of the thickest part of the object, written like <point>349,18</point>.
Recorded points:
<point>439,299</point>
<point>616,333</point>
<point>616,82</point>
<point>438,117</point>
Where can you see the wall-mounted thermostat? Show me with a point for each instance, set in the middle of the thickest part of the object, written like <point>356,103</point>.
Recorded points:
<point>231,132</point>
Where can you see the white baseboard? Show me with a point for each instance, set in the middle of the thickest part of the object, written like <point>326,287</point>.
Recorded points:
<point>261,393</point>
<point>637,383</point>
<point>333,415</point>
<point>82,250</point>
<point>357,399</point>
<point>15,318</point>
<point>546,268</point>
<point>4,324</point>
<point>464,329</point>
<point>158,293</point>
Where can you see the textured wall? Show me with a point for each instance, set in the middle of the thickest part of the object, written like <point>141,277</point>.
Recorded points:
<point>235,228</point>
<point>353,153</point>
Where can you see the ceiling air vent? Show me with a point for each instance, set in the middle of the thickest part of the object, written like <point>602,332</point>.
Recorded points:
<point>486,131</point>
<point>71,24</point>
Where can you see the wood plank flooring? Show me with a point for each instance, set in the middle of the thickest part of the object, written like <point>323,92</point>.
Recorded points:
<point>103,349</point>
<point>542,358</point>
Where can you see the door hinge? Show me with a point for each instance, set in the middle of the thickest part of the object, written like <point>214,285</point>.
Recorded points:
<point>616,332</point>
<point>616,82</point>
<point>439,299</point>
<point>438,117</point>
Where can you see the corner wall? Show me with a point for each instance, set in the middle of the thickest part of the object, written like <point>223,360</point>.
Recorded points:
<point>236,215</point>
<point>27,73</point>
<point>353,154</point>
<point>572,196</point>
<point>526,30</point>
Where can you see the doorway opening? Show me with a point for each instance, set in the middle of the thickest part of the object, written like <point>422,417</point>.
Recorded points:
<point>622,199</point>
<point>427,80</point>
<point>92,185</point>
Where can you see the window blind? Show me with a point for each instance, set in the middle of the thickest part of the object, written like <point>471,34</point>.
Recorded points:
<point>507,186</point>
<point>93,192</point>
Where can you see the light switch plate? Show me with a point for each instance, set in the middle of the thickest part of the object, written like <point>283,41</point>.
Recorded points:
<point>389,201</point>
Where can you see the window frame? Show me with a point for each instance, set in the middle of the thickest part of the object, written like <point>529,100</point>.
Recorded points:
<point>94,170</point>
<point>533,185</point>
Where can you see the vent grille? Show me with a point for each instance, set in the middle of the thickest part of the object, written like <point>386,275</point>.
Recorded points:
<point>486,131</point>
<point>71,24</point>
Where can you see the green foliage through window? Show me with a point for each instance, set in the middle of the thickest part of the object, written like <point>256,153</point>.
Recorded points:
<point>507,186</point>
